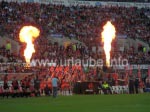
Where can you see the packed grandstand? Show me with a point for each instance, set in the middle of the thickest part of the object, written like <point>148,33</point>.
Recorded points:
<point>79,27</point>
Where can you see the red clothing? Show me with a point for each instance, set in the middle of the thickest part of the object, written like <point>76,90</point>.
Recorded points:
<point>15,83</point>
<point>1,90</point>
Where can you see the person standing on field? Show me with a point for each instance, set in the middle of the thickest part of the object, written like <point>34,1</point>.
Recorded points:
<point>55,86</point>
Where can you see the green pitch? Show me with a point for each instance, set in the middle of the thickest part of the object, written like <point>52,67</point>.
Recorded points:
<point>78,103</point>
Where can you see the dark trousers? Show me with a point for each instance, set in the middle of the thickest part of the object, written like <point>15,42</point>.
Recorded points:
<point>136,89</point>
<point>54,92</point>
<point>107,90</point>
<point>131,89</point>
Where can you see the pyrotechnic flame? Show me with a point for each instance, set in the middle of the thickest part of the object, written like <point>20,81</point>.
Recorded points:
<point>28,34</point>
<point>108,35</point>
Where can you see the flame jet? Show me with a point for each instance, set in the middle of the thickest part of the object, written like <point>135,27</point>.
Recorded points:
<point>28,34</point>
<point>108,35</point>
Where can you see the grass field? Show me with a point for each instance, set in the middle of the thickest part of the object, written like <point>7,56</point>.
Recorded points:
<point>78,103</point>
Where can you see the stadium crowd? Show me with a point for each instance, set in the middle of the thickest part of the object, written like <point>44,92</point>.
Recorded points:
<point>39,83</point>
<point>80,22</point>
<point>83,23</point>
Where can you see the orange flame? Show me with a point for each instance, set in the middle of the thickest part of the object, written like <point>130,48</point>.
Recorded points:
<point>28,34</point>
<point>108,35</point>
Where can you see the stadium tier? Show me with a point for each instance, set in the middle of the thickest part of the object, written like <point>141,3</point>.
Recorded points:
<point>70,44</point>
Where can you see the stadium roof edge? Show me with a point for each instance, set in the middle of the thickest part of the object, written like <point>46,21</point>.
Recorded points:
<point>86,3</point>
